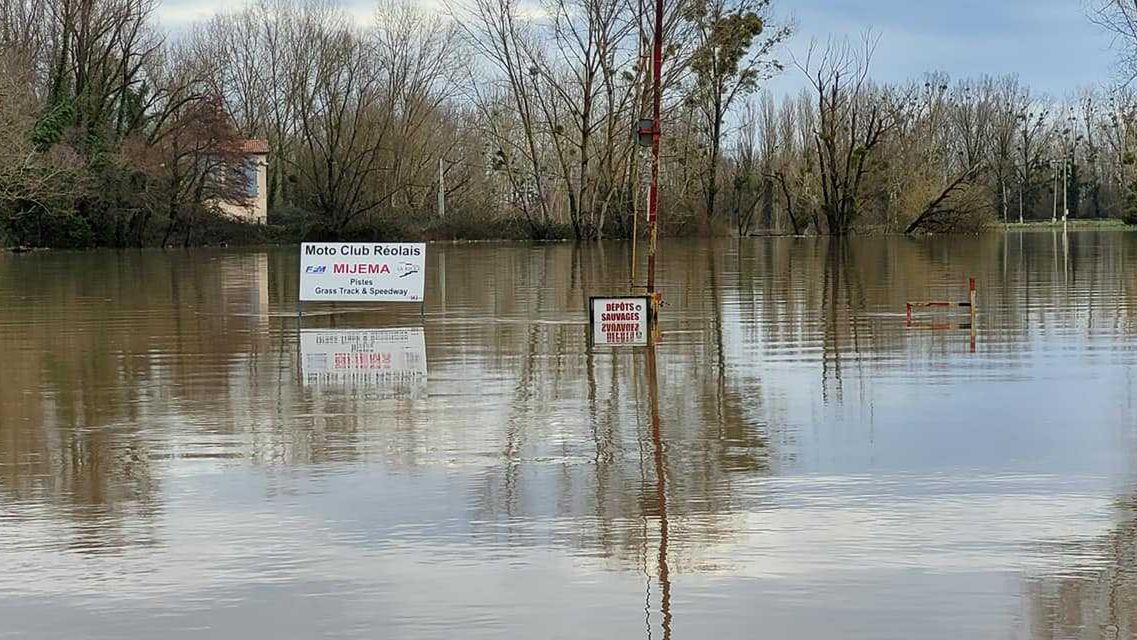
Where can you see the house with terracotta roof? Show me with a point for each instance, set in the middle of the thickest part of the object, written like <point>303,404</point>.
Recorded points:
<point>254,206</point>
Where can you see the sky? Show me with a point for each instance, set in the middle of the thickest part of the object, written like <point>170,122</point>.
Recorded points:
<point>1050,44</point>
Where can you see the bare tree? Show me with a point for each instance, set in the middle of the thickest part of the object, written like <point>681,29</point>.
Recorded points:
<point>854,118</point>
<point>1010,99</point>
<point>959,206</point>
<point>1031,145</point>
<point>1091,130</point>
<point>492,30</point>
<point>1119,19</point>
<point>971,114</point>
<point>747,172</point>
<point>345,125</point>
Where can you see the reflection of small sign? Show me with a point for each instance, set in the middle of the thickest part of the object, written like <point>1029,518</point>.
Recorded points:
<point>619,321</point>
<point>394,358</point>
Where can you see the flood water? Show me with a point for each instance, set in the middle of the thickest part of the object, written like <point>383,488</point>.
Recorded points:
<point>793,460</point>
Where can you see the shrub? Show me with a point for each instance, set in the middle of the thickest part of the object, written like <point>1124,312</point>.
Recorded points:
<point>34,226</point>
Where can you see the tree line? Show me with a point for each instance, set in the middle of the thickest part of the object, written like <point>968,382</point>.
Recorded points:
<point>116,133</point>
<point>930,155</point>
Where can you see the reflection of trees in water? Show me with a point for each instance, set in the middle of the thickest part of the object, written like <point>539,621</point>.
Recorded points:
<point>843,299</point>
<point>102,342</point>
<point>1098,600</point>
<point>659,457</point>
<point>115,362</point>
<point>1055,276</point>
<point>844,296</point>
<point>1091,593</point>
<point>607,473</point>
<point>1094,595</point>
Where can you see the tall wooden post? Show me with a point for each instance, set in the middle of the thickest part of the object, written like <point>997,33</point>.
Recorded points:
<point>1065,181</point>
<point>973,309</point>
<point>441,191</point>
<point>971,297</point>
<point>1054,214</point>
<point>635,240</point>
<point>653,192</point>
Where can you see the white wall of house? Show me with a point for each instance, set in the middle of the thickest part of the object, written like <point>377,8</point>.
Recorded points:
<point>255,210</point>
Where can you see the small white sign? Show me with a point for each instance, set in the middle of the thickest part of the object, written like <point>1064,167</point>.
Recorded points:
<point>375,357</point>
<point>619,321</point>
<point>362,271</point>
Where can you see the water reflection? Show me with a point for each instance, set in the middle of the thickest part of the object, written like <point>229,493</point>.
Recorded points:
<point>84,370</point>
<point>788,450</point>
<point>390,361</point>
<point>1095,596</point>
<point>659,457</point>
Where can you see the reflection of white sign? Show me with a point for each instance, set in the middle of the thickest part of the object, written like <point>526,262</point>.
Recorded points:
<point>362,271</point>
<point>619,321</point>
<point>391,357</point>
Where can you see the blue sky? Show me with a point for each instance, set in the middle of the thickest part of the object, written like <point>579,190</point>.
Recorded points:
<point>1050,44</point>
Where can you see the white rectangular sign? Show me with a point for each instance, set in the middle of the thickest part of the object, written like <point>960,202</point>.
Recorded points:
<point>619,321</point>
<point>362,271</point>
<point>377,357</point>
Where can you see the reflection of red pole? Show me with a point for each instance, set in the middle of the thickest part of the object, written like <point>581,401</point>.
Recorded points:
<point>660,492</point>
<point>653,192</point>
<point>971,299</point>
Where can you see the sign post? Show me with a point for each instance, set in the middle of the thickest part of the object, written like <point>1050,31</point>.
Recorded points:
<point>619,321</point>
<point>362,272</point>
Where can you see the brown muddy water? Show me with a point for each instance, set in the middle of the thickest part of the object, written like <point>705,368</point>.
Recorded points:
<point>791,461</point>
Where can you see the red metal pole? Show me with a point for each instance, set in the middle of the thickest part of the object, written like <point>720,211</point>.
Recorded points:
<point>653,192</point>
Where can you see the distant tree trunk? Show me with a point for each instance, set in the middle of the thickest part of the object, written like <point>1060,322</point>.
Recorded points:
<point>939,214</point>
<point>767,203</point>
<point>713,167</point>
<point>797,227</point>
<point>853,119</point>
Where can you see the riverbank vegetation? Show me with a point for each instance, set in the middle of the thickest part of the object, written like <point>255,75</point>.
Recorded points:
<point>114,133</point>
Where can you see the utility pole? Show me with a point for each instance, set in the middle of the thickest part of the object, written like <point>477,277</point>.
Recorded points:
<point>1026,166</point>
<point>1005,207</point>
<point>441,191</point>
<point>1054,214</point>
<point>1067,154</point>
<point>1065,182</point>
<point>653,191</point>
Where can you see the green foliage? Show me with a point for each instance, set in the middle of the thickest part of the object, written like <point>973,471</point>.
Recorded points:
<point>134,102</point>
<point>30,225</point>
<point>53,124</point>
<point>221,230</point>
<point>1129,210</point>
<point>746,182</point>
<point>1074,189</point>
<point>721,57</point>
